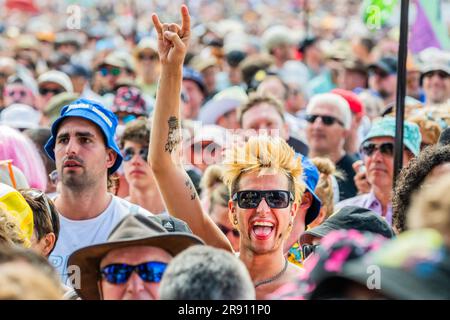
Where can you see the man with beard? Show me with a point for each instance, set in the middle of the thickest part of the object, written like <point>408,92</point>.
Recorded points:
<point>263,177</point>
<point>383,79</point>
<point>83,147</point>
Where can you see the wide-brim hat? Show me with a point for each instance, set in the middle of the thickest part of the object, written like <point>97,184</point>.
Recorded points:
<point>133,230</point>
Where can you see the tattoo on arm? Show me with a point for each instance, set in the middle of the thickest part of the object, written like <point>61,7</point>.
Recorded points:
<point>189,185</point>
<point>173,139</point>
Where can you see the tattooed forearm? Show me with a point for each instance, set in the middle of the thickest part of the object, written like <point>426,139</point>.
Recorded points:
<point>173,138</point>
<point>192,191</point>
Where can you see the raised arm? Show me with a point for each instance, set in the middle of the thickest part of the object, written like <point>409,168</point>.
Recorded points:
<point>174,184</point>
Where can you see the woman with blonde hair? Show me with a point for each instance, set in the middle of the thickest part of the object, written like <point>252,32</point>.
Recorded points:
<point>324,189</point>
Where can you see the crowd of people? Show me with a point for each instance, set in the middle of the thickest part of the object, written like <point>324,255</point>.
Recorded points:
<point>232,150</point>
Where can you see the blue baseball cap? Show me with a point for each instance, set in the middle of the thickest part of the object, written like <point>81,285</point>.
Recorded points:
<point>94,112</point>
<point>311,177</point>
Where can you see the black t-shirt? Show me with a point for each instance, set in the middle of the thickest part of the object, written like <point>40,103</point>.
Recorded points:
<point>298,146</point>
<point>347,188</point>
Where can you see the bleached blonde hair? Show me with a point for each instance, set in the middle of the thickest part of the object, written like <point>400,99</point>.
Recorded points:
<point>266,155</point>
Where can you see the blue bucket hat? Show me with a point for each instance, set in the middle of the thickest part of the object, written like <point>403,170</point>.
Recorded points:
<point>385,127</point>
<point>311,177</point>
<point>94,112</point>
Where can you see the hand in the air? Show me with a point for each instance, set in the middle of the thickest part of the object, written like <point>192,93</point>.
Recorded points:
<point>173,40</point>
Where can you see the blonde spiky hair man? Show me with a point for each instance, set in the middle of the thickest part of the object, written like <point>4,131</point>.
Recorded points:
<point>265,183</point>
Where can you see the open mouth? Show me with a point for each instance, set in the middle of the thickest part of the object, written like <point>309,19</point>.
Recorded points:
<point>262,230</point>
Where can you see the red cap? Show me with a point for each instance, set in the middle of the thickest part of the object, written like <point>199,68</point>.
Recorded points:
<point>353,100</point>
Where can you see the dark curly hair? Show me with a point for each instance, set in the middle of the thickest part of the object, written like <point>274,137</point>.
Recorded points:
<point>412,177</point>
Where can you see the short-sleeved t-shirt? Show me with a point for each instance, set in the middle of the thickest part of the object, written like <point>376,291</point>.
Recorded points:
<point>347,188</point>
<point>76,234</point>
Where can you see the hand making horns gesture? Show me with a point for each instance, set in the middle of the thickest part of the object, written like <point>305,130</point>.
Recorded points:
<point>173,40</point>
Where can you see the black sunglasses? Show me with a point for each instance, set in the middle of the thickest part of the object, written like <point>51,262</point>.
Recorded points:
<point>119,273</point>
<point>441,74</point>
<point>308,249</point>
<point>250,199</point>
<point>129,153</point>
<point>142,56</point>
<point>327,120</point>
<point>227,230</point>
<point>369,148</point>
<point>44,91</point>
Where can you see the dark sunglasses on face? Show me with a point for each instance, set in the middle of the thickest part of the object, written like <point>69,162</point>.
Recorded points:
<point>227,230</point>
<point>327,120</point>
<point>378,72</point>
<point>104,71</point>
<point>142,56</point>
<point>12,93</point>
<point>119,273</point>
<point>129,153</point>
<point>44,91</point>
<point>441,74</point>
<point>308,249</point>
<point>369,148</point>
<point>250,199</point>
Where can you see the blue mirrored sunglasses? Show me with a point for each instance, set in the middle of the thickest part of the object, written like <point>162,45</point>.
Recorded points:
<point>119,273</point>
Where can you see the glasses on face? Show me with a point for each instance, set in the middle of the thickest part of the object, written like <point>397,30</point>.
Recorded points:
<point>308,249</point>
<point>227,230</point>
<point>441,74</point>
<point>119,273</point>
<point>126,118</point>
<point>129,153</point>
<point>104,71</point>
<point>16,92</point>
<point>143,56</point>
<point>369,148</point>
<point>250,199</point>
<point>378,72</point>
<point>44,91</point>
<point>327,120</point>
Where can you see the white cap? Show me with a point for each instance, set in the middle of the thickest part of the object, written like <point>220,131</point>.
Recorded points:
<point>20,116</point>
<point>57,77</point>
<point>225,101</point>
<point>211,133</point>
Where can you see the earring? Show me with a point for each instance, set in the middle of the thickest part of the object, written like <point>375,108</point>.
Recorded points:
<point>235,221</point>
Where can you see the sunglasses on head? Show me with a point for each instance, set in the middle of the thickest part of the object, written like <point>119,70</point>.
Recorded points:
<point>104,71</point>
<point>119,273</point>
<point>44,91</point>
<point>143,56</point>
<point>369,148</point>
<point>327,120</point>
<point>250,199</point>
<point>129,153</point>
<point>227,230</point>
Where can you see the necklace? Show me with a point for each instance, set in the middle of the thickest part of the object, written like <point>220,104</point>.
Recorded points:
<point>275,277</point>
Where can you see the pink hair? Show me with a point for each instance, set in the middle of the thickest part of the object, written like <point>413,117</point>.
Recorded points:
<point>21,150</point>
